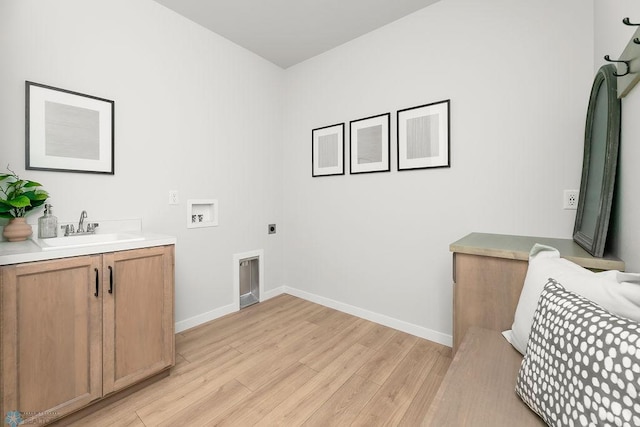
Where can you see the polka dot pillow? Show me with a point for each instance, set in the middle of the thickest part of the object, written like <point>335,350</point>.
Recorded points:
<point>582,364</point>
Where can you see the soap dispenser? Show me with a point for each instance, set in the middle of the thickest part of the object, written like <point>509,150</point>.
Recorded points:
<point>47,224</point>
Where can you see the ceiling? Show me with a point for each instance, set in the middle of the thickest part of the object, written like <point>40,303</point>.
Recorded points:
<point>287,32</point>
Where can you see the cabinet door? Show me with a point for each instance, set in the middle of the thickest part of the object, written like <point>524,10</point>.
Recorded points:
<point>51,337</point>
<point>138,315</point>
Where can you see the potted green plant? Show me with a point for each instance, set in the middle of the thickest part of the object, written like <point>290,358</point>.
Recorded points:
<point>18,198</point>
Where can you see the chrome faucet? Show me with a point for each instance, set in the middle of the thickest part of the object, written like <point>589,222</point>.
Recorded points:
<point>83,215</point>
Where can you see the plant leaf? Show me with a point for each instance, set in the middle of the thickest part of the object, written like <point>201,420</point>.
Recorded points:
<point>36,195</point>
<point>36,203</point>
<point>32,184</point>
<point>6,215</point>
<point>20,202</point>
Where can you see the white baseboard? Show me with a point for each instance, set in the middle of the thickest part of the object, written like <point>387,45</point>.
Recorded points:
<point>194,321</point>
<point>191,322</point>
<point>273,293</point>
<point>381,319</point>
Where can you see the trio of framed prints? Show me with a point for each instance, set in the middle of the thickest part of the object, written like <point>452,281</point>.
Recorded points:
<point>422,142</point>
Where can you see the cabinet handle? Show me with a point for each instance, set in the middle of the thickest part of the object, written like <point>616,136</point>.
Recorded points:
<point>110,280</point>
<point>97,282</point>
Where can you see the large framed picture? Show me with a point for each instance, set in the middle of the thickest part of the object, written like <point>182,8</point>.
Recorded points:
<point>370,144</point>
<point>68,131</point>
<point>423,136</point>
<point>327,150</point>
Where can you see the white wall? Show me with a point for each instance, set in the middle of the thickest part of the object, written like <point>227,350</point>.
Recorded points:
<point>194,113</point>
<point>611,37</point>
<point>198,114</point>
<point>518,74</point>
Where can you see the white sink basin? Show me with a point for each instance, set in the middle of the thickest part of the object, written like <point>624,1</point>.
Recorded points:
<point>86,240</point>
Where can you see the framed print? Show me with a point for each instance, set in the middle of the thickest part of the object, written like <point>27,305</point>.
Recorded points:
<point>327,150</point>
<point>423,136</point>
<point>369,142</point>
<point>68,131</point>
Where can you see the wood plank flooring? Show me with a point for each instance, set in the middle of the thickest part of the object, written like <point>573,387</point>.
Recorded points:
<point>287,361</point>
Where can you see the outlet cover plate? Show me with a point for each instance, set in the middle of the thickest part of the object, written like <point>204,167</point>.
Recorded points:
<point>173,197</point>
<point>570,199</point>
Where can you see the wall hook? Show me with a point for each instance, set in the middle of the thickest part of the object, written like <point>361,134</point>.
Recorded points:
<point>625,21</point>
<point>607,58</point>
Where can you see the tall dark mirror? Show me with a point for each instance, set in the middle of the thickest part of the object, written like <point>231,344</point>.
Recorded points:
<point>601,141</point>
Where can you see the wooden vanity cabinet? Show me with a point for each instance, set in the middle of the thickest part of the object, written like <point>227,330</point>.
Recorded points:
<point>138,326</point>
<point>51,336</point>
<point>75,330</point>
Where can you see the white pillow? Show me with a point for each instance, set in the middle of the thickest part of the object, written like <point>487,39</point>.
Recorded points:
<point>616,292</point>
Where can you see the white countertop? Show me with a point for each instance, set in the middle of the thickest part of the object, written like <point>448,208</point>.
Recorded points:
<point>28,250</point>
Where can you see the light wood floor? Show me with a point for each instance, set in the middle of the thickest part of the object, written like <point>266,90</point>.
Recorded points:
<point>287,361</point>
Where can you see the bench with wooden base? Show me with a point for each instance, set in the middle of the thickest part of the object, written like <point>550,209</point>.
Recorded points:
<point>479,387</point>
<point>488,275</point>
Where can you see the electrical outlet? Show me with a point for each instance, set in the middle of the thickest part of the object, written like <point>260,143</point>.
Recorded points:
<point>570,200</point>
<point>173,197</point>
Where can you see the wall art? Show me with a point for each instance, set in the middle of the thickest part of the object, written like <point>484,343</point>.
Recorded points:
<point>423,136</point>
<point>68,131</point>
<point>370,144</point>
<point>327,150</point>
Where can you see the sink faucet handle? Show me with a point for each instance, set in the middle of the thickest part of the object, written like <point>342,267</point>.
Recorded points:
<point>68,229</point>
<point>91,227</point>
<point>83,215</point>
